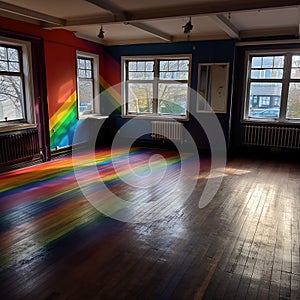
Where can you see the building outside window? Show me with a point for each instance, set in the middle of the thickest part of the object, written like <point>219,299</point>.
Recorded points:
<point>273,87</point>
<point>156,86</point>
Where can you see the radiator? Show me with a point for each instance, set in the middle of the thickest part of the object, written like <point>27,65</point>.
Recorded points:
<point>167,130</point>
<point>271,136</point>
<point>19,145</point>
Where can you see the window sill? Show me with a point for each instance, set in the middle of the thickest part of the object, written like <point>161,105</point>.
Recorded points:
<point>156,117</point>
<point>15,127</point>
<point>270,122</point>
<point>93,116</point>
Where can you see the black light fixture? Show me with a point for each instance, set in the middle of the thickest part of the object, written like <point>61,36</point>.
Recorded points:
<point>187,28</point>
<point>101,33</point>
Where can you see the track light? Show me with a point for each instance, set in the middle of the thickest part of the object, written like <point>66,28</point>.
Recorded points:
<point>187,28</point>
<point>101,34</point>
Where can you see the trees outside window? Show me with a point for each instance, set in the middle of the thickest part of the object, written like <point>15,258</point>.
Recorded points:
<point>12,96</point>
<point>87,84</point>
<point>156,86</point>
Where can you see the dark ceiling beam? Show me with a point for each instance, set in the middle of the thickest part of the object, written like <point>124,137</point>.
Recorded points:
<point>207,8</point>
<point>211,7</point>
<point>120,14</point>
<point>298,22</point>
<point>225,24</point>
<point>113,8</point>
<point>156,32</point>
<point>24,12</point>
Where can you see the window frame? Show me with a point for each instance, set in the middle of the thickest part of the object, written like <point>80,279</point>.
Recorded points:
<point>155,82</point>
<point>25,61</point>
<point>285,81</point>
<point>95,78</point>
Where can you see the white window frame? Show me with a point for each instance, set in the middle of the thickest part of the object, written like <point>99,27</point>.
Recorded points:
<point>154,115</point>
<point>96,100</point>
<point>29,117</point>
<point>286,80</point>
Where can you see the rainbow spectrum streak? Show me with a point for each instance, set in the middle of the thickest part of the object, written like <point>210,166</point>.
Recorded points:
<point>42,204</point>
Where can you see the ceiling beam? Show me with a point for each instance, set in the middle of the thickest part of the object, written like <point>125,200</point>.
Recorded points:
<point>255,33</point>
<point>210,7</point>
<point>201,9</point>
<point>156,32</point>
<point>226,25</point>
<point>24,12</point>
<point>107,5</point>
<point>299,22</point>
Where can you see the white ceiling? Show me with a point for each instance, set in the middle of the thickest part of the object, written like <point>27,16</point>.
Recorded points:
<point>137,21</point>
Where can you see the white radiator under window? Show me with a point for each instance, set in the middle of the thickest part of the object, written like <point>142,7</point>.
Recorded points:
<point>167,130</point>
<point>271,136</point>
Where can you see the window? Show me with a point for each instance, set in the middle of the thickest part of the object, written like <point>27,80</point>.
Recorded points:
<point>273,87</point>
<point>87,84</point>
<point>156,86</point>
<point>15,88</point>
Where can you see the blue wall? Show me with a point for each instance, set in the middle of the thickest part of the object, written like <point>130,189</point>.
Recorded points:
<point>202,52</point>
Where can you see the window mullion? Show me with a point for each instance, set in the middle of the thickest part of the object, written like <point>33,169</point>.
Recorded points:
<point>285,86</point>
<point>247,94</point>
<point>155,87</point>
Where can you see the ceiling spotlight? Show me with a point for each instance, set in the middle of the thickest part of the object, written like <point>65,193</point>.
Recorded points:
<point>101,34</point>
<point>187,28</point>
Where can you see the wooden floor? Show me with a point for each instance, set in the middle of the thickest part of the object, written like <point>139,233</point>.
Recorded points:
<point>244,245</point>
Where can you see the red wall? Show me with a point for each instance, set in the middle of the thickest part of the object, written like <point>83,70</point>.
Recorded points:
<point>60,61</point>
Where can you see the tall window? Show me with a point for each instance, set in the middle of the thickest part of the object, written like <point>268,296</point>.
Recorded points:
<point>156,86</point>
<point>12,95</point>
<point>273,87</point>
<point>87,84</point>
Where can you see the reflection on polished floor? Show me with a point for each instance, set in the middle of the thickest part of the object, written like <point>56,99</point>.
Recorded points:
<point>244,244</point>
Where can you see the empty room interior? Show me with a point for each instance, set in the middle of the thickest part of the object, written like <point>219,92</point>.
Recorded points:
<point>149,150</point>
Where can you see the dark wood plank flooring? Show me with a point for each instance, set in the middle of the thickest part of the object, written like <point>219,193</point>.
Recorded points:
<point>243,245</point>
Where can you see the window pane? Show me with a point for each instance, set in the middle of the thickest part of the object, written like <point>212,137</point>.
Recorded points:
<point>173,65</point>
<point>293,105</point>
<point>267,62</point>
<point>140,75</point>
<point>132,66</point>
<point>3,65</point>
<point>256,62</point>
<point>172,98</point>
<point>267,74</point>
<point>164,65</point>
<point>296,61</point>
<point>149,65</point>
<point>278,61</point>
<point>88,74</point>
<point>88,64</point>
<point>265,99</point>
<point>184,65</point>
<point>140,97</point>
<point>82,74</point>
<point>173,75</point>
<point>86,97</point>
<point>14,67</point>
<point>295,72</point>
<point>141,66</point>
<point>11,98</point>
<point>13,54</point>
<point>81,63</point>
<point>3,53</point>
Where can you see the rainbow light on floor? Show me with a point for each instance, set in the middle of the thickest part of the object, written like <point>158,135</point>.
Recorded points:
<point>43,203</point>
